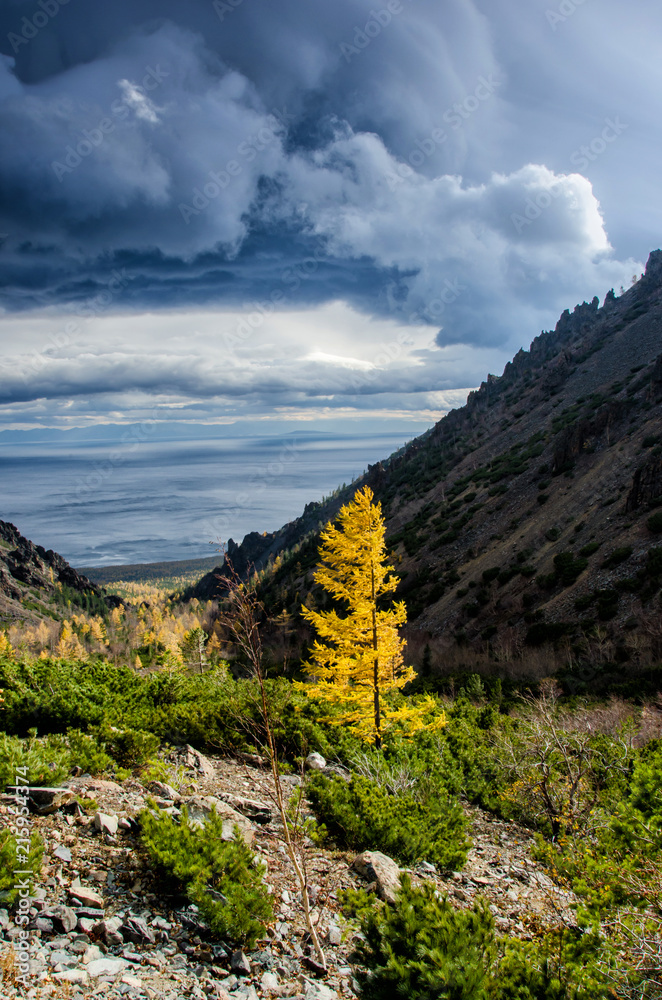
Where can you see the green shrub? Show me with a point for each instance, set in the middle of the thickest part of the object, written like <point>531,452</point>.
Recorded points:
<point>363,815</point>
<point>568,567</point>
<point>618,556</point>
<point>130,748</point>
<point>46,764</point>
<point>18,857</point>
<point>422,949</point>
<point>589,548</point>
<point>219,876</point>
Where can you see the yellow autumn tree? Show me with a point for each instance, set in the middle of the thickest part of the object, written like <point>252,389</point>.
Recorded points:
<point>357,658</point>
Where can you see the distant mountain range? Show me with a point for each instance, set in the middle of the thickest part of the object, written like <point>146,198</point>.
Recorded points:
<point>533,514</point>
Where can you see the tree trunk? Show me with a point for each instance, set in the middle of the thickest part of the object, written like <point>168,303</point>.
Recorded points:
<point>378,738</point>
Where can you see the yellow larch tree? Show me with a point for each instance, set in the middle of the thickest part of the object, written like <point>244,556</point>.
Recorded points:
<point>357,658</point>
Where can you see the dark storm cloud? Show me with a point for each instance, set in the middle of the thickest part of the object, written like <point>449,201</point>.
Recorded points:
<point>435,163</point>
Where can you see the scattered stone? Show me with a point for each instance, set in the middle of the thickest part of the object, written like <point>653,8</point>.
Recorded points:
<point>136,930</point>
<point>164,791</point>
<point>109,931</point>
<point>106,824</point>
<point>257,811</point>
<point>92,954</point>
<point>269,982</point>
<point>315,762</point>
<point>63,853</point>
<point>377,867</point>
<point>132,981</point>
<point>200,808</point>
<point>88,897</point>
<point>106,967</point>
<point>334,935</point>
<point>240,964</point>
<point>63,917</point>
<point>198,761</point>
<point>78,976</point>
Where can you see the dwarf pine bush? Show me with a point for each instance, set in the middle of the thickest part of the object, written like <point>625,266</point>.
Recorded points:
<point>219,876</point>
<point>363,815</point>
<point>421,948</point>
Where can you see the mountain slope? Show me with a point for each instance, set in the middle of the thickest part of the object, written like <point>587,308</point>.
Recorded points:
<point>36,584</point>
<point>522,516</point>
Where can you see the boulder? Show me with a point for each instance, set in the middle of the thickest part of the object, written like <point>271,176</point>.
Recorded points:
<point>200,808</point>
<point>164,791</point>
<point>380,869</point>
<point>315,762</point>
<point>199,762</point>
<point>43,800</point>
<point>259,812</point>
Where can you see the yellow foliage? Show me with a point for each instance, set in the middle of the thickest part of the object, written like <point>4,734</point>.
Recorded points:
<point>5,644</point>
<point>357,658</point>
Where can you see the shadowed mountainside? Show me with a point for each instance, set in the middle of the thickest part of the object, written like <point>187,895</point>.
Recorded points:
<point>529,514</point>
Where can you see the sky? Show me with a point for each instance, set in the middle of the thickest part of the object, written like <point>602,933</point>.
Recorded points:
<point>238,212</point>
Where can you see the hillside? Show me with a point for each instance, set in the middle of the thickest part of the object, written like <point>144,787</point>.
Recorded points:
<point>36,583</point>
<point>528,516</point>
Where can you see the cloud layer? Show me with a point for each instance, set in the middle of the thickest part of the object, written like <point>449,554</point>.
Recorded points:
<point>451,168</point>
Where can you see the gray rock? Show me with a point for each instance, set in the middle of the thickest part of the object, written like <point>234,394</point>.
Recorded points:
<point>377,867</point>
<point>78,976</point>
<point>315,762</point>
<point>164,791</point>
<point>109,931</point>
<point>106,824</point>
<point>318,991</point>
<point>269,982</point>
<point>87,896</point>
<point>44,800</point>
<point>200,809</point>
<point>63,853</point>
<point>92,954</point>
<point>136,930</point>
<point>106,967</point>
<point>60,957</point>
<point>199,762</point>
<point>63,917</point>
<point>240,964</point>
<point>334,935</point>
<point>259,812</point>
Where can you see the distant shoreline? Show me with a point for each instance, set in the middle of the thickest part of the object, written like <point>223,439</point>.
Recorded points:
<point>104,575</point>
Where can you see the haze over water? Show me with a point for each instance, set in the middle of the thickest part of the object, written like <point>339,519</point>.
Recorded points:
<point>99,504</point>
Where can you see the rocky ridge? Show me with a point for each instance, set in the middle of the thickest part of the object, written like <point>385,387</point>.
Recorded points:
<point>32,579</point>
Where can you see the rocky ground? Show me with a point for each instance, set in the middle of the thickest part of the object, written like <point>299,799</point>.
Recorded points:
<point>101,927</point>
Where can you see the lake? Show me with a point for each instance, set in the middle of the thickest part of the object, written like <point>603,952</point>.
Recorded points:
<point>101,503</point>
